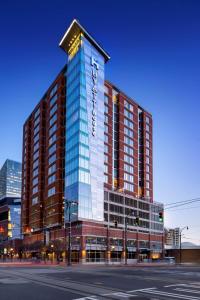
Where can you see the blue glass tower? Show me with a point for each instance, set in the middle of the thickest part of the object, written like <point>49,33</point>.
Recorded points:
<point>84,158</point>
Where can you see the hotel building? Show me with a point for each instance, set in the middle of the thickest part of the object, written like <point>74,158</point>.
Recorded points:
<point>88,146</point>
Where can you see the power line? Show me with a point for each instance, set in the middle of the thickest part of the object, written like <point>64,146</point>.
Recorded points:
<point>184,208</point>
<point>183,201</point>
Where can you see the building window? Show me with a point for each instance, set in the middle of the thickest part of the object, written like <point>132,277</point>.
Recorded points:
<point>52,139</point>
<point>128,186</point>
<point>34,200</point>
<point>147,152</point>
<point>105,148</point>
<point>51,179</point>
<point>37,113</point>
<point>35,190</point>
<point>106,109</point>
<point>128,105</point>
<point>128,159</point>
<point>128,177</point>
<point>147,168</point>
<point>147,176</point>
<point>51,191</point>
<point>105,128</point>
<point>36,155</point>
<point>128,150</point>
<point>105,119</point>
<point>105,158</point>
<point>52,159</point>
<point>52,129</point>
<point>147,135</point>
<point>53,110</point>
<point>36,147</point>
<point>35,172</point>
<point>128,123</point>
<point>53,120</point>
<point>35,181</point>
<point>36,138</point>
<point>128,114</point>
<point>36,129</point>
<point>128,141</point>
<point>54,90</point>
<point>128,132</point>
<point>147,144</point>
<point>147,127</point>
<point>105,178</point>
<point>105,169</point>
<point>53,100</point>
<point>105,138</point>
<point>52,169</point>
<point>36,163</point>
<point>52,149</point>
<point>147,193</point>
<point>147,120</point>
<point>128,168</point>
<point>37,121</point>
<point>147,184</point>
<point>105,99</point>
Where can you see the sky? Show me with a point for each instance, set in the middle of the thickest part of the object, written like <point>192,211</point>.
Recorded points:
<point>155,58</point>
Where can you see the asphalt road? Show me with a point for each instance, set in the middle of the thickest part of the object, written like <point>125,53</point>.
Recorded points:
<point>99,282</point>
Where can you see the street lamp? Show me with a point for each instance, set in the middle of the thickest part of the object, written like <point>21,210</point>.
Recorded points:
<point>180,235</point>
<point>69,204</point>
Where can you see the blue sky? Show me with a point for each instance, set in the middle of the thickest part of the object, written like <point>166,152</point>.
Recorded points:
<point>155,58</point>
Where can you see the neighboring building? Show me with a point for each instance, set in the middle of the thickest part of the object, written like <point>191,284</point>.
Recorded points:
<point>10,218</point>
<point>10,179</point>
<point>172,238</point>
<point>10,200</point>
<point>89,143</point>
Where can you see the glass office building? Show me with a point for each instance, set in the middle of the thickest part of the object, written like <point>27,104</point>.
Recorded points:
<point>84,178</point>
<point>10,179</point>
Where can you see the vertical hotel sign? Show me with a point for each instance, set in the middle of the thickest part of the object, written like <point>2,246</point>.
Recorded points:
<point>95,68</point>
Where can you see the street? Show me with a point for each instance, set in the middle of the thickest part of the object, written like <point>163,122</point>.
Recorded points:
<point>99,282</point>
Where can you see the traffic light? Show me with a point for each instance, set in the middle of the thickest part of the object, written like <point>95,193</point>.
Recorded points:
<point>137,221</point>
<point>161,216</point>
<point>116,223</point>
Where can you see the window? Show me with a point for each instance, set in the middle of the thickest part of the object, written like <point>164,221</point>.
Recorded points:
<point>128,105</point>
<point>105,148</point>
<point>106,109</point>
<point>51,179</point>
<point>128,186</point>
<point>105,169</point>
<point>105,118</point>
<point>51,191</point>
<point>52,169</point>
<point>36,146</point>
<point>52,149</point>
<point>147,144</point>
<point>128,141</point>
<point>34,200</point>
<point>37,121</point>
<point>36,138</point>
<point>147,184</point>
<point>128,123</point>
<point>53,100</point>
<point>105,178</point>
<point>147,176</point>
<point>52,139</point>
<point>147,127</point>
<point>36,129</point>
<point>147,159</point>
<point>36,163</point>
<point>105,128</point>
<point>147,135</point>
<point>105,138</point>
<point>147,193</point>
<point>147,120</point>
<point>54,90</point>
<point>52,129</point>
<point>128,114</point>
<point>128,159</point>
<point>106,99</point>
<point>128,168</point>
<point>53,110</point>
<point>128,150</point>
<point>35,181</point>
<point>147,151</point>
<point>35,172</point>
<point>35,190</point>
<point>53,120</point>
<point>37,113</point>
<point>147,168</point>
<point>105,158</point>
<point>52,158</point>
<point>128,177</point>
<point>128,132</point>
<point>36,155</point>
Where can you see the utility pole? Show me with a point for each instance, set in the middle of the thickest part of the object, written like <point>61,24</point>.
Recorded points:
<point>180,239</point>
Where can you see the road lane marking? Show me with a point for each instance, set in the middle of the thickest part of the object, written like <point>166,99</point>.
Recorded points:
<point>187,291</point>
<point>140,290</point>
<point>172,295</point>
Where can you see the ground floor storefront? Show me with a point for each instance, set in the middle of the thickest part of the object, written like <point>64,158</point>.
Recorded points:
<point>94,243</point>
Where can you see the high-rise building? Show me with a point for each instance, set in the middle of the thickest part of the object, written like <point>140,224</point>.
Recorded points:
<point>88,146</point>
<point>10,200</point>
<point>172,238</point>
<point>10,179</point>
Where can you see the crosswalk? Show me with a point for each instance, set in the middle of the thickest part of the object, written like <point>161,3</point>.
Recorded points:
<point>185,291</point>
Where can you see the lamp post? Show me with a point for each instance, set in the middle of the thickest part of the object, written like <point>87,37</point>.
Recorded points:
<point>180,235</point>
<point>69,204</point>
